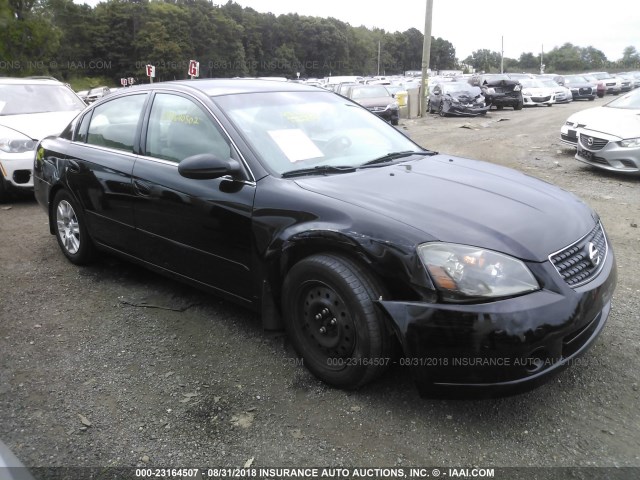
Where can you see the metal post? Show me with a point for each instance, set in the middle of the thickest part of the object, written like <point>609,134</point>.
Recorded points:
<point>502,56</point>
<point>426,57</point>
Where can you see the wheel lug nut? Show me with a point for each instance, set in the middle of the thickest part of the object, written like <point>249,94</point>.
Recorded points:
<point>333,321</point>
<point>318,317</point>
<point>325,311</point>
<point>323,330</point>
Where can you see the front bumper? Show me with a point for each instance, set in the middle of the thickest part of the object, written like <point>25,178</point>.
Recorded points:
<point>16,170</point>
<point>532,100</point>
<point>611,157</point>
<point>502,100</point>
<point>506,346</point>
<point>569,135</point>
<point>461,109</point>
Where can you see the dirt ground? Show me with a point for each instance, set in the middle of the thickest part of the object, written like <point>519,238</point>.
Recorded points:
<point>112,365</point>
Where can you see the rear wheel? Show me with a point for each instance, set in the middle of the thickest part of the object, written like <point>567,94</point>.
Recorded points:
<point>70,229</point>
<point>330,317</point>
<point>4,196</point>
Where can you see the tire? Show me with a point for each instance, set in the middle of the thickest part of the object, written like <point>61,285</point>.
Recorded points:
<point>429,110</point>
<point>330,317</point>
<point>500,107</point>
<point>395,121</point>
<point>519,105</point>
<point>4,195</point>
<point>441,110</point>
<point>591,99</point>
<point>70,229</point>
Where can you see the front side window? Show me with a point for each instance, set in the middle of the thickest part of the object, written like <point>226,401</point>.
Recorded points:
<point>114,124</point>
<point>179,128</point>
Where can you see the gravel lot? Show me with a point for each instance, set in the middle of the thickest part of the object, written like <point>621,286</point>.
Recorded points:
<point>111,365</point>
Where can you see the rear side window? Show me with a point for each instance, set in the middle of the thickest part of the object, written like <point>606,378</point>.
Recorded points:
<point>114,124</point>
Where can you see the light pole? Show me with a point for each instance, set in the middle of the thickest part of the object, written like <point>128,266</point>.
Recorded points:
<point>426,57</point>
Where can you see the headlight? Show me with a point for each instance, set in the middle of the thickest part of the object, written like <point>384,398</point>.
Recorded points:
<point>569,123</point>
<point>526,93</point>
<point>393,106</point>
<point>630,143</point>
<point>462,272</point>
<point>15,142</point>
<point>517,88</point>
<point>491,91</point>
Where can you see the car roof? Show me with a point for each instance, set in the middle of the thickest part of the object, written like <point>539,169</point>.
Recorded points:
<point>228,86</point>
<point>28,81</point>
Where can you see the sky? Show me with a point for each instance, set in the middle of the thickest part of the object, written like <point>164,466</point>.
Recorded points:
<point>608,25</point>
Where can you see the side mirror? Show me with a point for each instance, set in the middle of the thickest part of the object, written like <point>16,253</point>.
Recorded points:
<point>205,166</point>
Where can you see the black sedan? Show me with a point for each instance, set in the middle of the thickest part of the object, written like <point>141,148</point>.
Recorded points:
<point>303,206</point>
<point>580,87</point>
<point>376,99</point>
<point>456,98</point>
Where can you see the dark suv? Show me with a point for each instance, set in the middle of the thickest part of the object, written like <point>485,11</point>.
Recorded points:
<point>499,90</point>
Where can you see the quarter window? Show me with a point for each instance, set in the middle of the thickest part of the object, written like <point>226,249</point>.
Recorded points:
<point>114,124</point>
<point>179,128</point>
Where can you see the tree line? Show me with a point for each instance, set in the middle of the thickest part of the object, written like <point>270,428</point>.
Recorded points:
<point>118,38</point>
<point>567,58</point>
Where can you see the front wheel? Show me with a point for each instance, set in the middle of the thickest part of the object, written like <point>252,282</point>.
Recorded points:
<point>70,230</point>
<point>331,319</point>
<point>441,110</point>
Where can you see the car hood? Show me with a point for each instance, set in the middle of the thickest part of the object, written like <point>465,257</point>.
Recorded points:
<point>623,123</point>
<point>465,201</point>
<point>375,102</point>
<point>39,125</point>
<point>539,91</point>
<point>464,96</point>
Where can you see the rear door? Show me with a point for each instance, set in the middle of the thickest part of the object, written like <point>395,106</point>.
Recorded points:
<point>100,166</point>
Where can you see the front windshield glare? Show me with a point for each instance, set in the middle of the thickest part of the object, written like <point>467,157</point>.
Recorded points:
<point>293,130</point>
<point>32,98</point>
<point>630,101</point>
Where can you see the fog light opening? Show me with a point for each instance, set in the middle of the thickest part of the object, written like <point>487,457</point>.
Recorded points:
<point>536,361</point>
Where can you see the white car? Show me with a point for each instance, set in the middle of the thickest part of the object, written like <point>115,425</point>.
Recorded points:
<point>607,137</point>
<point>562,93</point>
<point>30,109</point>
<point>534,92</point>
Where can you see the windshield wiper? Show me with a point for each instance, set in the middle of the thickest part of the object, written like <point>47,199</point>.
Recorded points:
<point>318,170</point>
<point>390,157</point>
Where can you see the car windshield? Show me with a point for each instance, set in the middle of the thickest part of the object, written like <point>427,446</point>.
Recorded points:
<point>577,79</point>
<point>630,101</point>
<point>460,88</point>
<point>549,83</point>
<point>531,83</point>
<point>294,130</point>
<point>495,78</point>
<point>369,92</point>
<point>33,98</point>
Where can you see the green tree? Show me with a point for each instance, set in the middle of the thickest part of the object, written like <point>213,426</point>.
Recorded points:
<point>630,58</point>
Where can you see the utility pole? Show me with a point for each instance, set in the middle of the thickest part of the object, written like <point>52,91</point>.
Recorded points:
<point>502,56</point>
<point>426,57</point>
<point>378,57</point>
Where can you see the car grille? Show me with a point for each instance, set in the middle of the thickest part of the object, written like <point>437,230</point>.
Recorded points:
<point>541,99</point>
<point>598,143</point>
<point>579,263</point>
<point>377,109</point>
<point>585,91</point>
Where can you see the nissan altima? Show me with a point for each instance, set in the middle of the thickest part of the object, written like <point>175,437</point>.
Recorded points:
<point>366,248</point>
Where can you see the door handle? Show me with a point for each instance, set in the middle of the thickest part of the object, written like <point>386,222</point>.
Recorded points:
<point>142,188</point>
<point>73,166</point>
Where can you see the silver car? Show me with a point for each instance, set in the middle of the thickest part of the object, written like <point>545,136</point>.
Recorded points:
<point>608,137</point>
